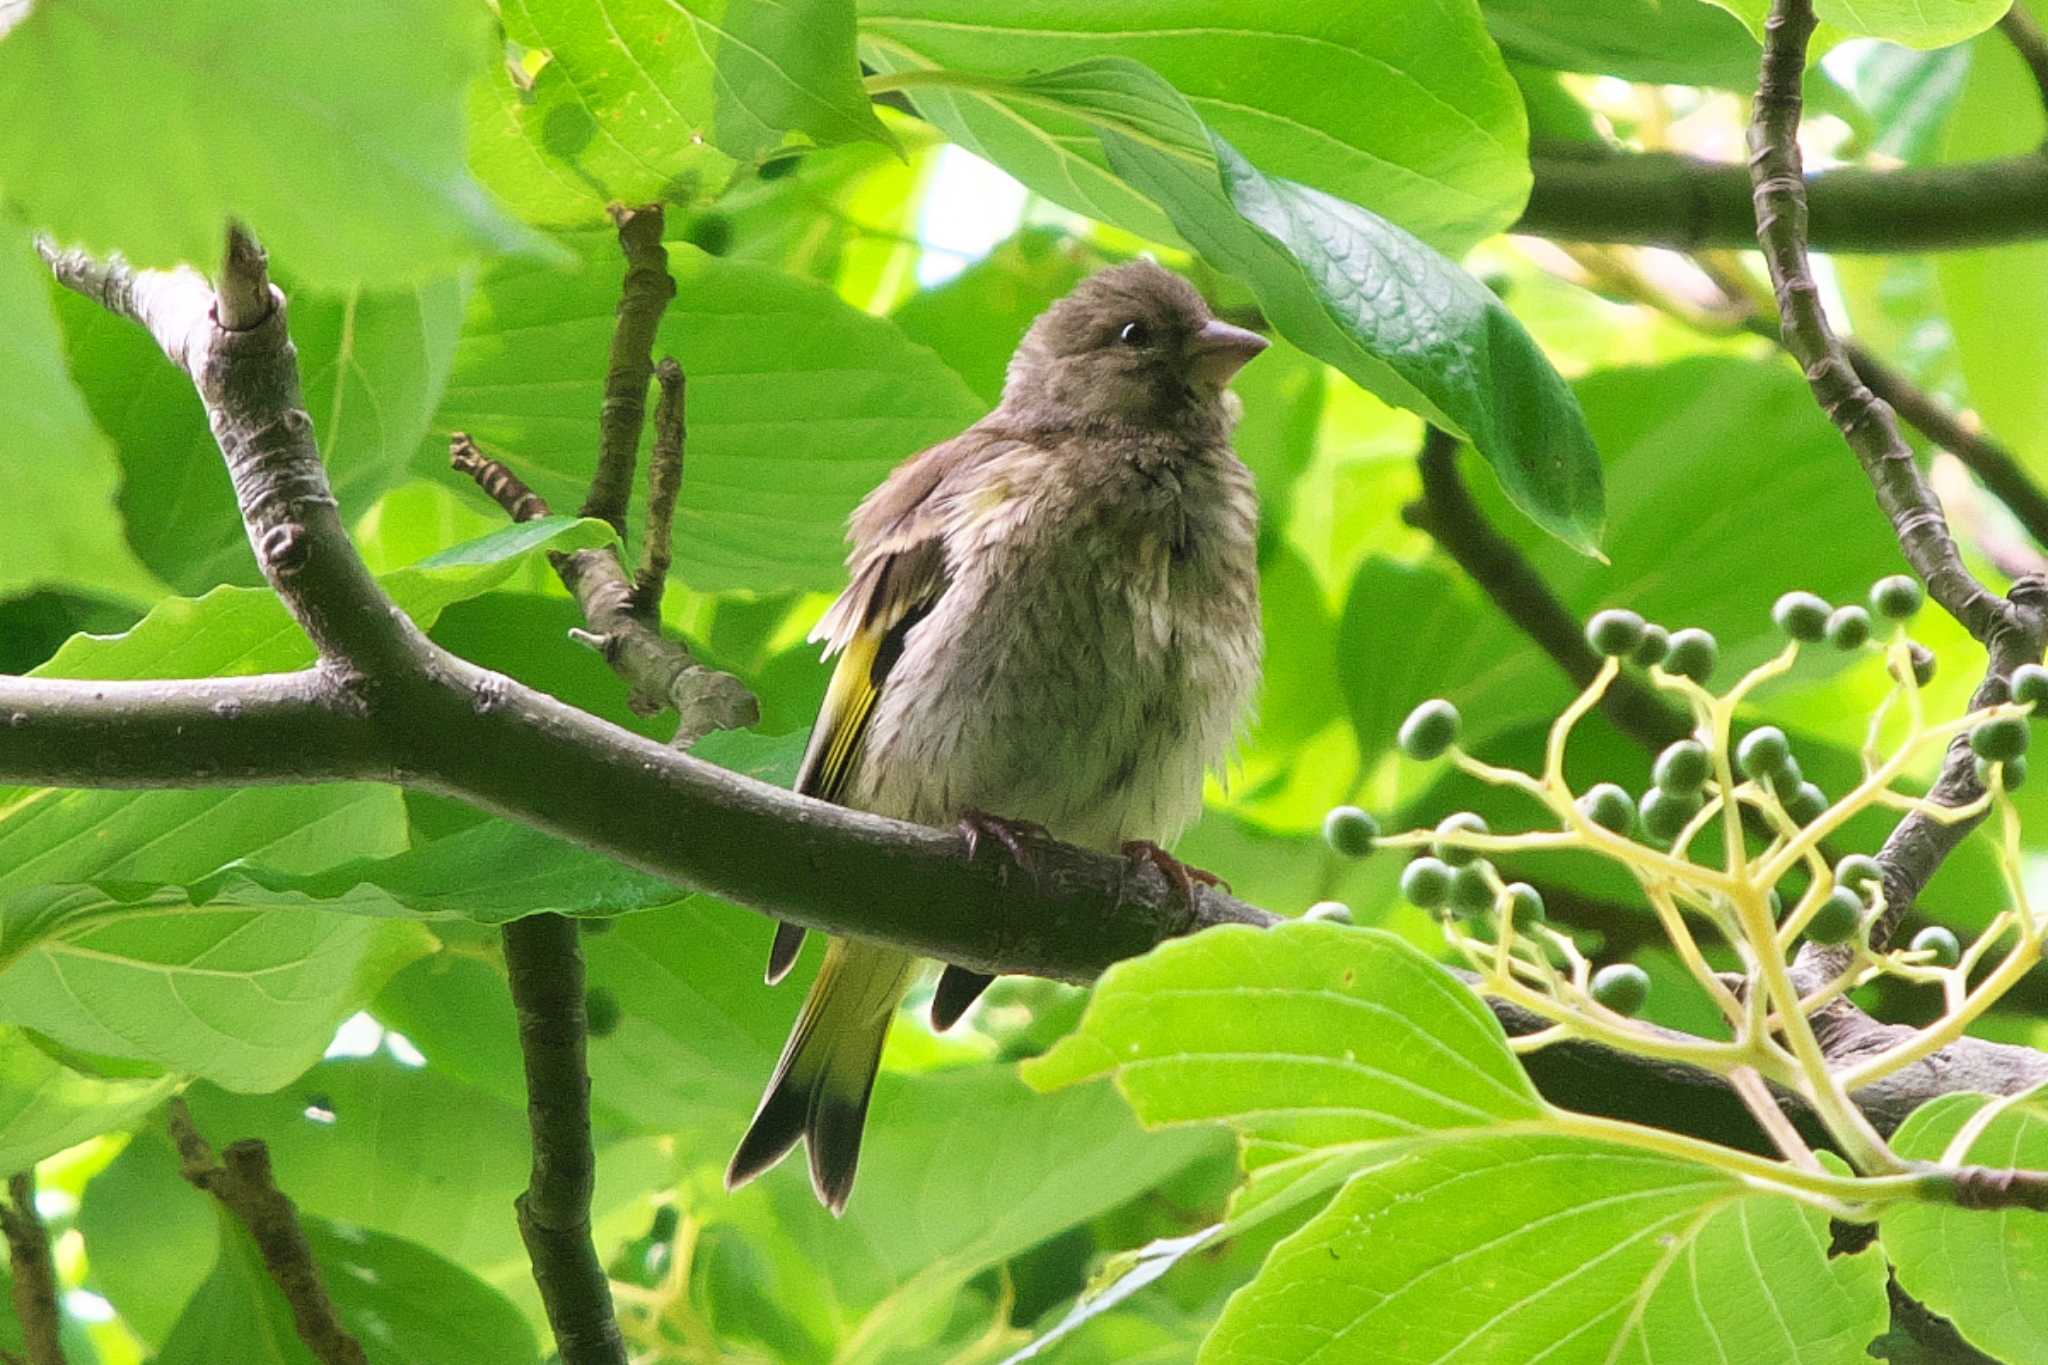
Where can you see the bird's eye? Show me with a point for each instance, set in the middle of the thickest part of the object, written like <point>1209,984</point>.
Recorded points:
<point>1134,334</point>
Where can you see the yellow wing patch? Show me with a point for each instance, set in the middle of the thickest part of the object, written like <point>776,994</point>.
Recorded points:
<point>842,719</point>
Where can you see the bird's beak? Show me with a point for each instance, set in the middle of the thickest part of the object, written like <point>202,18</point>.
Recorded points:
<point>1221,350</point>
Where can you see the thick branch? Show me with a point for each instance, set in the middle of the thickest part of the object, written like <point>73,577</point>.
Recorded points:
<point>34,1273</point>
<point>241,1180</point>
<point>544,965</point>
<point>1682,202</point>
<point>644,298</point>
<point>1512,583</point>
<point>2023,31</point>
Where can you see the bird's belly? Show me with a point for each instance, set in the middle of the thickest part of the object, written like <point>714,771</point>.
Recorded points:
<point>1093,712</point>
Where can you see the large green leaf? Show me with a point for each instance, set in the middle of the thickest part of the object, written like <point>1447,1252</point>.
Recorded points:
<point>1346,286</point>
<point>1555,1249</point>
<point>45,1106</point>
<point>57,520</point>
<point>798,405</point>
<point>1914,23</point>
<point>1996,300</point>
<point>405,1305</point>
<point>150,1238</point>
<point>372,365</point>
<point>975,320</point>
<point>1411,113</point>
<point>1674,41</point>
<point>336,132</point>
<point>1980,1270</point>
<point>638,100</point>
<point>1302,1037</point>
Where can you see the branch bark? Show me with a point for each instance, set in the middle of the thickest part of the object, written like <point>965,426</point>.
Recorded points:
<point>1584,194</point>
<point>544,962</point>
<point>1448,513</point>
<point>240,1178</point>
<point>34,1274</point>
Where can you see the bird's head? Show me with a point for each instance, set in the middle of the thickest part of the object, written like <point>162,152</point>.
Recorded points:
<point>1135,344</point>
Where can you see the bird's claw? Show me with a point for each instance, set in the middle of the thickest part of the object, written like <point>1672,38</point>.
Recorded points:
<point>1182,876</point>
<point>974,825</point>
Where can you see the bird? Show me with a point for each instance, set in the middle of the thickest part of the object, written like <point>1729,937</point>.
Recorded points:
<point>1051,628</point>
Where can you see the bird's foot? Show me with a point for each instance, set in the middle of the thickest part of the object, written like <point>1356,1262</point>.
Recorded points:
<point>1179,873</point>
<point>975,825</point>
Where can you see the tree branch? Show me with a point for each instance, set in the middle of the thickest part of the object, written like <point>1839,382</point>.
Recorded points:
<point>1585,194</point>
<point>664,487</point>
<point>1448,513</point>
<point>33,1272</point>
<point>544,963</point>
<point>241,1180</point>
<point>2024,33</point>
<point>644,298</point>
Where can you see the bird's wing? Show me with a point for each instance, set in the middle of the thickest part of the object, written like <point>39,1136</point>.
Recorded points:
<point>899,574</point>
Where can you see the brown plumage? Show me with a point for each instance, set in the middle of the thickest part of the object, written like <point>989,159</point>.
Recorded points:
<point>1052,618</point>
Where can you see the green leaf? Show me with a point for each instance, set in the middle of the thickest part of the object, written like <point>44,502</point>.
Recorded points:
<point>336,133</point>
<point>975,320</point>
<point>1977,1269</point>
<point>247,996</point>
<point>1913,23</point>
<point>57,520</point>
<point>150,1238</point>
<point>1551,1248</point>
<point>46,1106</point>
<point>372,365</point>
<point>1996,300</point>
<point>1665,41</point>
<point>1349,288</point>
<point>1308,91</point>
<point>798,405</point>
<point>1309,1035</point>
<point>404,1304</point>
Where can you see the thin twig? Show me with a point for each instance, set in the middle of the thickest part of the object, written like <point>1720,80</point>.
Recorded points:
<point>241,1179</point>
<point>2024,33</point>
<point>664,487</point>
<point>34,1273</point>
<point>496,478</point>
<point>642,300</point>
<point>244,298</point>
<point>1500,569</point>
<point>544,966</point>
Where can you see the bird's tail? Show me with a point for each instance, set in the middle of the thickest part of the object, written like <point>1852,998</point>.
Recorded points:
<point>820,1088</point>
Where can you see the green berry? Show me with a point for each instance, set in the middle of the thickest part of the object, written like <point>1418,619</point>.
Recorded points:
<point>1837,918</point>
<point>1430,729</point>
<point>601,1011</point>
<point>1849,628</point>
<point>1896,598</point>
<point>1763,752</point>
<point>1682,767</point>
<point>1471,893</point>
<point>1622,987</point>
<point>1807,804</point>
<point>1616,633</point>
<point>2030,684</point>
<point>1941,943</point>
<point>1350,831</point>
<point>1656,645</point>
<point>1923,663</point>
<point>1787,780</point>
<point>1694,653</point>
<point>2015,773</point>
<point>1427,882</point>
<point>1329,912</point>
<point>2000,739</point>
<point>1609,807</point>
<point>1464,822</point>
<point>1665,812</point>
<point>1525,905</point>
<point>1802,616</point>
<point>1860,873</point>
